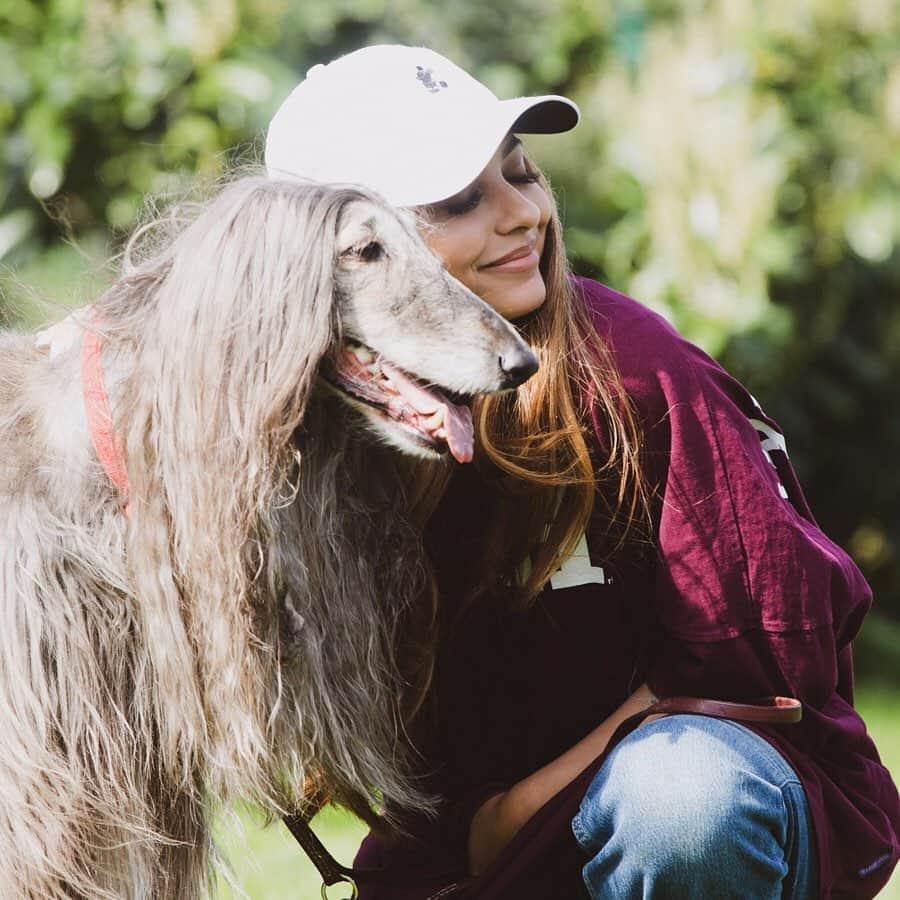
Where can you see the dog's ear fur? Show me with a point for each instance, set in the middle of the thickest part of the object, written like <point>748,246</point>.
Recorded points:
<point>242,318</point>
<point>252,283</point>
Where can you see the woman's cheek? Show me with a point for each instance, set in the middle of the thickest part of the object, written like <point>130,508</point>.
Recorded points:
<point>460,259</point>
<point>445,248</point>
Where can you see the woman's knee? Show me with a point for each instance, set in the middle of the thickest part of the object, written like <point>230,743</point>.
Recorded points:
<point>689,806</point>
<point>684,785</point>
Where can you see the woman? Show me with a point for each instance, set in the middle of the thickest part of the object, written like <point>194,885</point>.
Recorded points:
<point>632,528</point>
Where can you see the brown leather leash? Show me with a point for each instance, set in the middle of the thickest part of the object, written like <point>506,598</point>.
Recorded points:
<point>769,710</point>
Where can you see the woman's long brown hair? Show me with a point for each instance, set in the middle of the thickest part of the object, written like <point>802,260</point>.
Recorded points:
<point>534,450</point>
<point>541,476</point>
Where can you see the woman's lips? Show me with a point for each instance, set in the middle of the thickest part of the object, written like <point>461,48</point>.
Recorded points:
<point>518,261</point>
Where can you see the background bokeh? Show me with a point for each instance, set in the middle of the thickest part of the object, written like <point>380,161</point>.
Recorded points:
<point>737,168</point>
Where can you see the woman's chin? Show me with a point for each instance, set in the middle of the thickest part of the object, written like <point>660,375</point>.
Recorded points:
<point>516,299</point>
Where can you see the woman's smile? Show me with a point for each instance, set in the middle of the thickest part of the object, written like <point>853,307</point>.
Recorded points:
<point>521,259</point>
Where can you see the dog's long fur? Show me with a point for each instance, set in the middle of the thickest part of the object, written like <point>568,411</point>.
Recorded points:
<point>233,637</point>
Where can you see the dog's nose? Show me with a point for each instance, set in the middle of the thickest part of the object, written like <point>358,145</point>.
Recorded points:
<point>518,365</point>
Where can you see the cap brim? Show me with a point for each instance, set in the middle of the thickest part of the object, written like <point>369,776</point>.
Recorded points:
<point>550,114</point>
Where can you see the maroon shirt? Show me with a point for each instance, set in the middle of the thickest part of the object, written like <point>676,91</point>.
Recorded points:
<point>742,596</point>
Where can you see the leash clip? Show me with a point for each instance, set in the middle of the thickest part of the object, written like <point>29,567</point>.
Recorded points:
<point>354,890</point>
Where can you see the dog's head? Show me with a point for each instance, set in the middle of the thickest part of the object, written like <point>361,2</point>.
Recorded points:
<point>415,342</point>
<point>279,287</point>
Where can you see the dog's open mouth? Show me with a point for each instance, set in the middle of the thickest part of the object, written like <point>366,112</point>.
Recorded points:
<point>424,410</point>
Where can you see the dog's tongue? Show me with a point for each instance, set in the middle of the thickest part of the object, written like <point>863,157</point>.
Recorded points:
<point>457,419</point>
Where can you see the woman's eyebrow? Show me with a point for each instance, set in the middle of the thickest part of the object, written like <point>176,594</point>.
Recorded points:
<point>510,144</point>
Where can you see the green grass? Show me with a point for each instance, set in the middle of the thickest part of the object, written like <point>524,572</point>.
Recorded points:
<point>269,865</point>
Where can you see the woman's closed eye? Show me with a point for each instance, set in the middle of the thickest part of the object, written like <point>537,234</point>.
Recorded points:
<point>462,205</point>
<point>468,202</point>
<point>528,176</point>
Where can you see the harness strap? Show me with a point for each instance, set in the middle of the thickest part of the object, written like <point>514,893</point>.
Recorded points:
<point>99,417</point>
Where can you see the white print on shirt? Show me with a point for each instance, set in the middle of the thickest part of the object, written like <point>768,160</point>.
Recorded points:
<point>770,440</point>
<point>577,569</point>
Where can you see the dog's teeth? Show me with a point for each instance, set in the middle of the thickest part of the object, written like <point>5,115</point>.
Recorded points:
<point>363,354</point>
<point>436,419</point>
<point>441,433</point>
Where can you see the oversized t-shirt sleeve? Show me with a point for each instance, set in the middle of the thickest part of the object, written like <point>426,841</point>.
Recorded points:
<point>751,597</point>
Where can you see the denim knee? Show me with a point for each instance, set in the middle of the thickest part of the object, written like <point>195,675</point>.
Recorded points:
<point>686,795</point>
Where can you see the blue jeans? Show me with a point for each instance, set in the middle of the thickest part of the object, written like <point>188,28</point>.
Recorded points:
<point>694,807</point>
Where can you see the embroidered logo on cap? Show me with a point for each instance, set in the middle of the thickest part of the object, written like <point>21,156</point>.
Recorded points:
<point>427,78</point>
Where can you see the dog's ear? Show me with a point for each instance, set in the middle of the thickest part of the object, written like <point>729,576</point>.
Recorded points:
<point>247,310</point>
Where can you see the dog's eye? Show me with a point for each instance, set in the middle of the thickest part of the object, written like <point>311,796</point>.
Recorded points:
<point>372,252</point>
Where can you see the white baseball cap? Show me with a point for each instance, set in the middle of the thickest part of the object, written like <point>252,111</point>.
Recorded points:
<point>403,121</point>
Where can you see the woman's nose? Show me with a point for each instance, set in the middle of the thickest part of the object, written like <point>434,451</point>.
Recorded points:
<point>517,211</point>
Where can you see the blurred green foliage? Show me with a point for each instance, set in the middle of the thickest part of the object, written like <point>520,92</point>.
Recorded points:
<point>737,168</point>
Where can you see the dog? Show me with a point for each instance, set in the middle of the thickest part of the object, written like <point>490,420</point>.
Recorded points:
<point>205,553</point>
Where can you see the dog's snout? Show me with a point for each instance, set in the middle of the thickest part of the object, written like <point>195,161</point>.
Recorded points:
<point>518,365</point>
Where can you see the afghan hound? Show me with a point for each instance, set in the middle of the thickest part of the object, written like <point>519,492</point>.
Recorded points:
<point>201,603</point>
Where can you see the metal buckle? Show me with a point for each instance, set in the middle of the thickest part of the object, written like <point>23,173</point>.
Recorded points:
<point>354,890</point>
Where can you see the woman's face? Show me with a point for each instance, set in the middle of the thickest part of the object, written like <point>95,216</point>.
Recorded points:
<point>491,235</point>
